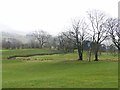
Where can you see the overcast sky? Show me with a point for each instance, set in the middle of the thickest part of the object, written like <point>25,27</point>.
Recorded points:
<point>52,16</point>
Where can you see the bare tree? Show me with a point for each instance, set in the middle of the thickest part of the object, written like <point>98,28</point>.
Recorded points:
<point>68,41</point>
<point>78,31</point>
<point>55,42</point>
<point>11,43</point>
<point>49,41</point>
<point>112,24</point>
<point>97,31</point>
<point>41,36</point>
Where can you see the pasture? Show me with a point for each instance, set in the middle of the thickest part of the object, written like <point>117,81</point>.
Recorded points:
<point>58,70</point>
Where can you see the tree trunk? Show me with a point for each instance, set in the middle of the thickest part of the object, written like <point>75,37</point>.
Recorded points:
<point>96,56</point>
<point>78,47</point>
<point>80,57</point>
<point>89,55</point>
<point>79,52</point>
<point>119,54</point>
<point>96,52</point>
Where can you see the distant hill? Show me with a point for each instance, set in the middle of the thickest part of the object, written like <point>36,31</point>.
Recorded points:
<point>19,37</point>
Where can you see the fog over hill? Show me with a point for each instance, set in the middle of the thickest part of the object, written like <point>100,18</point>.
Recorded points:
<point>19,37</point>
<point>7,29</point>
<point>7,32</point>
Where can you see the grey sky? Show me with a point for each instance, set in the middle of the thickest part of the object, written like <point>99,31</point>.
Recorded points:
<point>52,16</point>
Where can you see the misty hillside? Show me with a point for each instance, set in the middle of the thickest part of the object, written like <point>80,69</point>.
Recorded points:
<point>19,37</point>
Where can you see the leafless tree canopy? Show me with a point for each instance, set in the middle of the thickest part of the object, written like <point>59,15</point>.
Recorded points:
<point>77,33</point>
<point>98,31</point>
<point>41,36</point>
<point>113,27</point>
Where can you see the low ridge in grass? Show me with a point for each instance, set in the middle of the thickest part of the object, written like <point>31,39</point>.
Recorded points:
<point>26,52</point>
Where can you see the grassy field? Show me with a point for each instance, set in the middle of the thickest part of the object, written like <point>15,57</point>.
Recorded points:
<point>59,71</point>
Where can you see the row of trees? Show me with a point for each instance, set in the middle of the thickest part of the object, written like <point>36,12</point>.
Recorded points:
<point>91,34</point>
<point>100,28</point>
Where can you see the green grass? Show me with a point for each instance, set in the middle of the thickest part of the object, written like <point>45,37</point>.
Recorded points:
<point>59,71</point>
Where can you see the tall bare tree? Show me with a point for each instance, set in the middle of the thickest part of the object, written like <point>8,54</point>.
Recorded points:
<point>97,31</point>
<point>78,31</point>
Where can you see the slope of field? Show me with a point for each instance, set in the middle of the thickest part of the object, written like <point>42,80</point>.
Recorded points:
<point>59,71</point>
